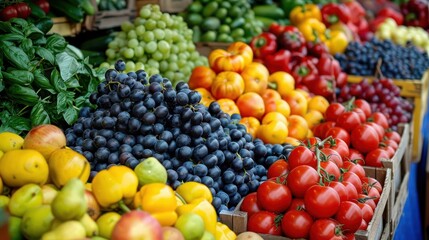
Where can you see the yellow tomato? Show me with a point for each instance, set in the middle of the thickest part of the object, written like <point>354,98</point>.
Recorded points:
<point>206,96</point>
<point>297,127</point>
<point>274,116</point>
<point>274,132</point>
<point>297,103</point>
<point>228,106</point>
<point>252,124</point>
<point>282,82</point>
<point>313,118</point>
<point>318,103</point>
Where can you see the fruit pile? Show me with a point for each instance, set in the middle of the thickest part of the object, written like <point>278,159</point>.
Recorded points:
<point>309,197</point>
<point>139,116</point>
<point>366,133</point>
<point>118,199</point>
<point>392,60</point>
<point>383,96</point>
<point>221,21</point>
<point>156,42</point>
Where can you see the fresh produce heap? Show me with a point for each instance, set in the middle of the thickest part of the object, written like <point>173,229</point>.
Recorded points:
<point>416,13</point>
<point>400,34</point>
<point>317,194</point>
<point>313,68</point>
<point>158,43</point>
<point>118,200</point>
<point>367,134</point>
<point>392,60</point>
<point>139,116</point>
<point>14,10</point>
<point>74,10</point>
<point>383,96</point>
<point>221,21</point>
<point>272,109</point>
<point>270,13</point>
<point>45,80</point>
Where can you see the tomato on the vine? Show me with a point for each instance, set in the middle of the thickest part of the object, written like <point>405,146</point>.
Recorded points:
<point>296,224</point>
<point>374,158</point>
<point>265,222</point>
<point>300,179</point>
<point>379,129</point>
<point>333,111</point>
<point>340,146</point>
<point>44,5</point>
<point>352,193</point>
<point>277,169</point>
<point>339,133</point>
<point>374,194</point>
<point>364,138</point>
<point>321,129</point>
<point>380,119</point>
<point>364,106</point>
<point>8,12</point>
<point>323,229</point>
<point>393,135</point>
<point>349,215</point>
<point>356,156</point>
<point>354,179</point>
<point>361,114</point>
<point>23,10</point>
<point>391,143</point>
<point>348,120</point>
<point>302,156</point>
<point>296,204</point>
<point>340,188</point>
<point>321,201</point>
<point>250,204</point>
<point>273,196</point>
<point>332,155</point>
<point>369,182</point>
<point>389,150</point>
<point>366,199</point>
<point>331,168</point>
<point>367,211</point>
<point>355,168</point>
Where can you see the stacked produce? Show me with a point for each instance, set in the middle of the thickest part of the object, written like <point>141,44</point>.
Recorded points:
<point>44,188</point>
<point>45,80</point>
<point>385,57</point>
<point>309,197</point>
<point>74,10</point>
<point>156,42</point>
<point>416,13</point>
<point>221,21</point>
<point>383,96</point>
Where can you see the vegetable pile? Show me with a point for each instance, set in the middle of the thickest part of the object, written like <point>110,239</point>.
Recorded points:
<point>43,79</point>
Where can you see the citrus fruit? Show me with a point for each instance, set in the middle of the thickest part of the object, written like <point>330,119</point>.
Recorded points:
<point>10,141</point>
<point>65,164</point>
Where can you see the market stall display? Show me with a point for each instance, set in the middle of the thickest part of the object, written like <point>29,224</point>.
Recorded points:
<point>209,120</point>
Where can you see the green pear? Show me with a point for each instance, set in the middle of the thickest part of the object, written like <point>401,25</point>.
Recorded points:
<point>15,228</point>
<point>70,230</point>
<point>90,225</point>
<point>150,170</point>
<point>37,221</point>
<point>207,236</point>
<point>55,223</point>
<point>4,201</point>
<point>70,202</point>
<point>98,238</point>
<point>26,197</point>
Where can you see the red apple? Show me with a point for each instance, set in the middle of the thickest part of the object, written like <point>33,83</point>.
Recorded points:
<point>172,233</point>
<point>93,207</point>
<point>137,224</point>
<point>45,139</point>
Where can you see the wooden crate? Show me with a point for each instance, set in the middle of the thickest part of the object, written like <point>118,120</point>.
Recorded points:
<point>417,91</point>
<point>168,6</point>
<point>205,48</point>
<point>378,227</point>
<point>398,207</point>
<point>65,27</point>
<point>110,19</point>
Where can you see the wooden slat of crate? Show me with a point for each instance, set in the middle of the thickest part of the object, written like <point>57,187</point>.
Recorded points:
<point>110,19</point>
<point>65,27</point>
<point>378,227</point>
<point>417,90</point>
<point>205,48</point>
<point>398,207</point>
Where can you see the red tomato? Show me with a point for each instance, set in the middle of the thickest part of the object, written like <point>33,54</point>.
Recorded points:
<point>350,216</point>
<point>330,168</point>
<point>23,10</point>
<point>355,168</point>
<point>349,121</point>
<point>380,119</point>
<point>321,129</point>
<point>391,143</point>
<point>332,155</point>
<point>340,188</point>
<point>379,129</point>
<point>374,158</point>
<point>321,201</point>
<point>264,222</point>
<point>367,211</point>
<point>364,106</point>
<point>8,12</point>
<point>297,204</point>
<point>356,156</point>
<point>361,114</point>
<point>340,133</point>
<point>302,156</point>
<point>389,150</point>
<point>352,193</point>
<point>273,196</point>
<point>354,179</point>
<point>340,146</point>
<point>333,111</point>
<point>349,236</point>
<point>325,229</point>
<point>369,182</point>
<point>250,204</point>
<point>363,225</point>
<point>393,135</point>
<point>296,224</point>
<point>311,142</point>
<point>44,5</point>
<point>374,194</point>
<point>364,138</point>
<point>277,169</point>
<point>367,200</point>
<point>300,179</point>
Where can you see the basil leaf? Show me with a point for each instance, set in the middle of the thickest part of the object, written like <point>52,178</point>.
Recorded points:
<point>20,123</point>
<point>38,115</point>
<point>61,102</point>
<point>13,37</point>
<point>57,82</point>
<point>67,64</point>
<point>80,101</point>
<point>33,32</point>
<point>40,41</point>
<point>15,55</point>
<point>19,22</point>
<point>45,54</point>
<point>1,85</point>
<point>73,83</point>
<point>70,115</point>
<point>56,43</point>
<point>6,27</point>
<point>27,46</point>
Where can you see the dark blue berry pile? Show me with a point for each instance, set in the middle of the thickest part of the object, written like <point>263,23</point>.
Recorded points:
<point>397,62</point>
<point>139,116</point>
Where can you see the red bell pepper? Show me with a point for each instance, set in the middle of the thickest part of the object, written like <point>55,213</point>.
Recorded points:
<point>279,61</point>
<point>328,65</point>
<point>415,13</point>
<point>316,49</point>
<point>263,45</point>
<point>305,71</point>
<point>291,39</point>
<point>389,12</point>
<point>341,80</point>
<point>333,13</point>
<point>357,10</point>
<point>276,28</point>
<point>322,85</point>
